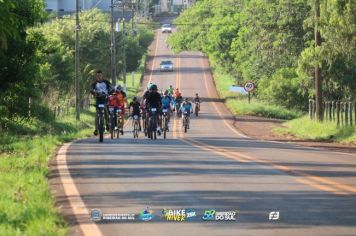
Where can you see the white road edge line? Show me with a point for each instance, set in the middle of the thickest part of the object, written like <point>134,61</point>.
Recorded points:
<point>76,203</point>
<point>233,129</point>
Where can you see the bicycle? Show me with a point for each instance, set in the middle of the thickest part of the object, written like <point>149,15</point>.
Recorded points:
<point>186,119</point>
<point>101,99</point>
<point>165,122</point>
<point>144,122</point>
<point>179,113</point>
<point>119,121</point>
<point>152,124</point>
<point>113,120</point>
<point>197,108</point>
<point>136,126</point>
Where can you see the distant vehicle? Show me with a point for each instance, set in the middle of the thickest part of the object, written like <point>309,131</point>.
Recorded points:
<point>166,65</point>
<point>166,28</point>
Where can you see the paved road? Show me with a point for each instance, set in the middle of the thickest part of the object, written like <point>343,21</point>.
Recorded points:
<point>213,166</point>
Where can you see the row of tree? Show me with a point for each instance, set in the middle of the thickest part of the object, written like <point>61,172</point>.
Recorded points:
<point>271,42</point>
<point>37,59</point>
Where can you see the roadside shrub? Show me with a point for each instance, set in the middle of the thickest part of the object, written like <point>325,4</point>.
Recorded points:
<point>283,88</point>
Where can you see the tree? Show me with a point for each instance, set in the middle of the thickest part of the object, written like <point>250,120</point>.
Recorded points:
<point>17,55</point>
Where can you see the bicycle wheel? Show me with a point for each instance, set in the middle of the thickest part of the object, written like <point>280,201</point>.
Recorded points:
<point>145,126</point>
<point>135,131</point>
<point>112,126</point>
<point>153,127</point>
<point>101,127</point>
<point>118,127</point>
<point>185,125</point>
<point>165,127</point>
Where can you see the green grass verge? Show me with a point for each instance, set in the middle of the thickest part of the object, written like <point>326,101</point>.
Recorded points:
<point>134,82</point>
<point>304,128</point>
<point>239,105</point>
<point>26,204</point>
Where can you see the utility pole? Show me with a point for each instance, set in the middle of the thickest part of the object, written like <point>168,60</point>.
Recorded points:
<point>113,46</point>
<point>77,66</point>
<point>123,43</point>
<point>145,9</point>
<point>318,79</point>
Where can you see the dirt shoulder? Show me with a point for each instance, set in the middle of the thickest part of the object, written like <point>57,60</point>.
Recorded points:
<point>262,128</point>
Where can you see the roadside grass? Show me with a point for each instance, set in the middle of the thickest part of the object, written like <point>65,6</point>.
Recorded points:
<point>305,128</point>
<point>27,206</point>
<point>238,104</point>
<point>134,82</point>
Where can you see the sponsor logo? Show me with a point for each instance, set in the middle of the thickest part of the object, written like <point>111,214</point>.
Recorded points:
<point>118,217</point>
<point>190,214</point>
<point>95,215</point>
<point>146,215</point>
<point>209,215</point>
<point>225,215</point>
<point>174,215</point>
<point>273,215</point>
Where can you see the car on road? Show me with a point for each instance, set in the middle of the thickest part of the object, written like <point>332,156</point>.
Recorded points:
<point>166,28</point>
<point>166,65</point>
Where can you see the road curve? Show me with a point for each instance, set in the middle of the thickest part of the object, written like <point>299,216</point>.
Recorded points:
<point>213,166</point>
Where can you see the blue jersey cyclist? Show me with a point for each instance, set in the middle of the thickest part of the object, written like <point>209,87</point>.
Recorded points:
<point>186,108</point>
<point>167,100</point>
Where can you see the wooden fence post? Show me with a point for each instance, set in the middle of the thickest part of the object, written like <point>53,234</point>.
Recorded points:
<point>338,113</point>
<point>333,110</point>
<point>350,112</point>
<point>346,114</point>
<point>311,109</point>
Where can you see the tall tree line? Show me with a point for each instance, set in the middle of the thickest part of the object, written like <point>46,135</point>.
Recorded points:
<point>37,55</point>
<point>271,42</point>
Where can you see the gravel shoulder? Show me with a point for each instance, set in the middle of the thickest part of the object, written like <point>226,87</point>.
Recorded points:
<point>262,129</point>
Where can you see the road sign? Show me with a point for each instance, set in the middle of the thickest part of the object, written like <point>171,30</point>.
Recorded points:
<point>249,86</point>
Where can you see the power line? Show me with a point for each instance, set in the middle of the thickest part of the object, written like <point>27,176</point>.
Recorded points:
<point>159,24</point>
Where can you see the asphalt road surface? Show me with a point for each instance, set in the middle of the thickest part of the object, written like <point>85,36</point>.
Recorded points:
<point>212,166</point>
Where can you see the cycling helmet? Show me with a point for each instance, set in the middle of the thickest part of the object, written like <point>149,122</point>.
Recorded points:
<point>134,99</point>
<point>186,99</point>
<point>118,88</point>
<point>153,87</point>
<point>149,86</point>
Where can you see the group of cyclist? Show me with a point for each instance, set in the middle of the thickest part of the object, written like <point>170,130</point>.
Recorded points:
<point>115,97</point>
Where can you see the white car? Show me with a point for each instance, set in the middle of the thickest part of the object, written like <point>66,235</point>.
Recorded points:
<point>166,65</point>
<point>166,28</point>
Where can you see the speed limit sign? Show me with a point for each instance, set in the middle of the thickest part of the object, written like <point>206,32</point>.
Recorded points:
<point>249,86</point>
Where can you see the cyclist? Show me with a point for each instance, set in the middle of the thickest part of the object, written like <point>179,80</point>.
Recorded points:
<point>166,103</point>
<point>197,101</point>
<point>101,89</point>
<point>143,105</point>
<point>177,99</point>
<point>170,90</point>
<point>136,109</point>
<point>121,95</point>
<point>113,102</point>
<point>186,107</point>
<point>197,98</point>
<point>154,100</point>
